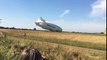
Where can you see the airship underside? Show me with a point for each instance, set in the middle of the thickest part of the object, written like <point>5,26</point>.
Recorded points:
<point>49,26</point>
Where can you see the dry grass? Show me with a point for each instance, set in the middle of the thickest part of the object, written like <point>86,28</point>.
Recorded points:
<point>71,37</point>
<point>17,40</point>
<point>81,40</point>
<point>74,37</point>
<point>52,51</point>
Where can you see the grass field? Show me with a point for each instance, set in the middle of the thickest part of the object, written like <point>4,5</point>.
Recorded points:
<point>53,45</point>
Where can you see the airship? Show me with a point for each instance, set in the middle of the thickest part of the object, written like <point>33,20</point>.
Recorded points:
<point>48,26</point>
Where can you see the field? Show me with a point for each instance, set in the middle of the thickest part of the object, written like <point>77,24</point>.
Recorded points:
<point>52,45</point>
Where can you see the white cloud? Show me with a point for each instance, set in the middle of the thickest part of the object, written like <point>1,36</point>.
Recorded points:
<point>99,8</point>
<point>64,13</point>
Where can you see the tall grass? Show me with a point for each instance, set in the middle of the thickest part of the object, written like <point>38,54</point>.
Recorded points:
<point>63,38</point>
<point>53,48</point>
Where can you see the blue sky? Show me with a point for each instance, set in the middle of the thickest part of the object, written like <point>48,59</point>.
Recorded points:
<point>71,15</point>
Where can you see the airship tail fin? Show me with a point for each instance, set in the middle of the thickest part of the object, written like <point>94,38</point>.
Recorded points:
<point>42,19</point>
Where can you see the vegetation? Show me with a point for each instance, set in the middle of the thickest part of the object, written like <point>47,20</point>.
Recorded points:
<point>52,45</point>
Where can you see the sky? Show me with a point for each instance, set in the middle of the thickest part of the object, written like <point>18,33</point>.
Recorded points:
<point>70,15</point>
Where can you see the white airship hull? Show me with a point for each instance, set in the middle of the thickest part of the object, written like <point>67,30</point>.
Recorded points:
<point>48,26</point>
